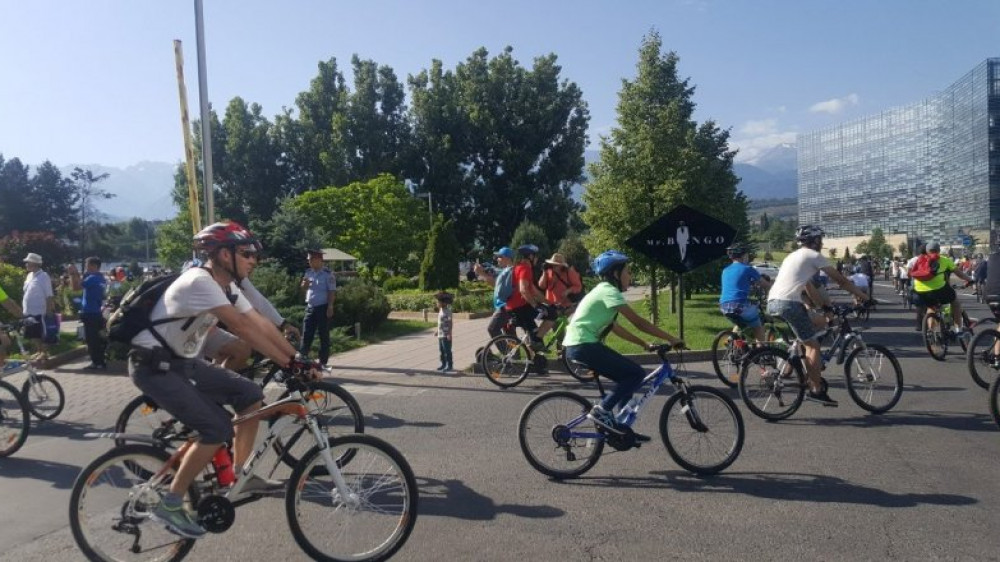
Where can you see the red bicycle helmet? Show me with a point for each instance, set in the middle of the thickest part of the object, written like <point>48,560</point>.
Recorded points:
<point>223,234</point>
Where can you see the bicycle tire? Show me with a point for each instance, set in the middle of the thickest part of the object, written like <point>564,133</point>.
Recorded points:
<point>125,468</point>
<point>393,478</point>
<point>727,356</point>
<point>995,401</point>
<point>141,415</point>
<point>44,395</point>
<point>934,338</point>
<point>982,361</point>
<point>341,416</point>
<point>544,442</point>
<point>966,329</point>
<point>576,370</point>
<point>15,419</point>
<point>721,436</point>
<point>767,378</point>
<point>505,361</point>
<point>864,384</point>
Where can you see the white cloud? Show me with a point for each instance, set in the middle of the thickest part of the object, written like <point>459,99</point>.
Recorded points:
<point>835,105</point>
<point>759,128</point>
<point>751,148</point>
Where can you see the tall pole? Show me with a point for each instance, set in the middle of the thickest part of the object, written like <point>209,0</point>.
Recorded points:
<point>206,125</point>
<point>430,207</point>
<point>194,207</point>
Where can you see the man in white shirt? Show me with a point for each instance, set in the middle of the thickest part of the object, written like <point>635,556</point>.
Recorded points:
<point>38,302</point>
<point>165,361</point>
<point>860,281</point>
<point>785,301</point>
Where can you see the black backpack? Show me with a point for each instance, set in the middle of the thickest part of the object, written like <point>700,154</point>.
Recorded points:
<point>133,314</point>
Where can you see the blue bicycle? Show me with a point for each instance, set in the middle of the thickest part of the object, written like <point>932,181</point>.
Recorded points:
<point>701,427</point>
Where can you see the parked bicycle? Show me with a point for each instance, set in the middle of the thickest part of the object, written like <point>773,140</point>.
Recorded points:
<point>938,333</point>
<point>15,419</point>
<point>700,426</point>
<point>506,360</point>
<point>43,394</point>
<point>358,508</point>
<point>773,382</point>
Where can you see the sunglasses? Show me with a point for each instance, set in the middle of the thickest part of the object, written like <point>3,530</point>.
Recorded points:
<point>249,254</point>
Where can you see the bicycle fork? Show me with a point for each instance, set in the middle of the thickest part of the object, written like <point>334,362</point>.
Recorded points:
<point>341,489</point>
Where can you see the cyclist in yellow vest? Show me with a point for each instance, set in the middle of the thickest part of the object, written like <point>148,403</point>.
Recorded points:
<point>936,291</point>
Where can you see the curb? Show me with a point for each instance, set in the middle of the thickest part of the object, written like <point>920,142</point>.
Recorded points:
<point>428,315</point>
<point>63,358</point>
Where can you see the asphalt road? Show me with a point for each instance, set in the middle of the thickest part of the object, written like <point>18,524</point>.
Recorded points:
<point>829,484</point>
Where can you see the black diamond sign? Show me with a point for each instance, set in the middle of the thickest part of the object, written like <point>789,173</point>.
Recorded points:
<point>683,239</point>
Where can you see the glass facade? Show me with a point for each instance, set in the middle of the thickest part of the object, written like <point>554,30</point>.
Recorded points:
<point>930,169</point>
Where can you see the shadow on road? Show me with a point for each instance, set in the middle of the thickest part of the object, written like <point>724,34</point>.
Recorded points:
<point>380,420</point>
<point>59,428</point>
<point>959,421</point>
<point>453,498</point>
<point>787,486</point>
<point>59,474</point>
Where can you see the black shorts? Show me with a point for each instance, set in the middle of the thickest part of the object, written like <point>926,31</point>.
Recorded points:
<point>937,297</point>
<point>524,318</point>
<point>35,331</point>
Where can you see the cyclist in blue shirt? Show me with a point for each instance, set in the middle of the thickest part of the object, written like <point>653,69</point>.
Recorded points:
<point>737,280</point>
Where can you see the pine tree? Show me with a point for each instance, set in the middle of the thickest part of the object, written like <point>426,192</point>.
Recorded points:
<point>439,270</point>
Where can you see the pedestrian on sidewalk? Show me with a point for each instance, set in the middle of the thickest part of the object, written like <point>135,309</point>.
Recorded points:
<point>94,286</point>
<point>444,329</point>
<point>321,289</point>
<point>38,302</point>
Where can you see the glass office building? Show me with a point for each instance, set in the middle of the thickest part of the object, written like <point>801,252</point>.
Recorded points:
<point>929,170</point>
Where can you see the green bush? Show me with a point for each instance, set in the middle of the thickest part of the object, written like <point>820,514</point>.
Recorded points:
<point>397,283</point>
<point>12,282</point>
<point>359,301</point>
<point>439,268</point>
<point>479,301</point>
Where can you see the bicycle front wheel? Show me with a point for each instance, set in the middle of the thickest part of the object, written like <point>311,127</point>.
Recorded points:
<point>505,361</point>
<point>702,429</point>
<point>728,352</point>
<point>934,337</point>
<point>14,419</point>
<point>339,415</point>
<point>771,385</point>
<point>375,518</point>
<point>549,445</point>
<point>983,358</point>
<point>110,504</point>
<point>44,395</point>
<point>874,378</point>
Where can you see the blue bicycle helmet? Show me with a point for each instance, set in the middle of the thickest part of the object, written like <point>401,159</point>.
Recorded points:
<point>608,260</point>
<point>527,249</point>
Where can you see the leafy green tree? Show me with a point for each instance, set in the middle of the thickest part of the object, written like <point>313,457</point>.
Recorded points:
<point>530,233</point>
<point>832,252</point>
<point>656,158</point>
<point>54,202</point>
<point>372,220</point>
<point>499,144</point>
<point>377,131</point>
<point>15,197</point>
<point>287,235</point>
<point>439,269</point>
<point>572,248</point>
<point>85,183</point>
<point>173,241</point>
<point>905,250</point>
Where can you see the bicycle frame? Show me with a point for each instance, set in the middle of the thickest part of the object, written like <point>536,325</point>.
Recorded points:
<point>841,343</point>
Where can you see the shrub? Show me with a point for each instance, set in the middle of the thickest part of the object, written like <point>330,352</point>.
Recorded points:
<point>397,283</point>
<point>12,281</point>
<point>359,301</point>
<point>439,269</point>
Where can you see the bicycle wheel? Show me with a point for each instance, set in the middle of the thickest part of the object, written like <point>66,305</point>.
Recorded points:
<point>373,522</point>
<point>702,429</point>
<point>110,504</point>
<point>728,351</point>
<point>874,378</point>
<point>963,339</point>
<point>340,415</point>
<point>505,361</point>
<point>142,416</point>
<point>14,419</point>
<point>44,395</point>
<point>548,445</point>
<point>934,336</point>
<point>982,358</point>
<point>772,386</point>
<point>995,401</point>
<point>576,370</point>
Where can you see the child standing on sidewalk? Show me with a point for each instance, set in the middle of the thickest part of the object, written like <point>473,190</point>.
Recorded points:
<point>443,331</point>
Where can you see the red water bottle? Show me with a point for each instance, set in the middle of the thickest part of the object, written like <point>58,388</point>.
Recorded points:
<point>740,344</point>
<point>224,466</point>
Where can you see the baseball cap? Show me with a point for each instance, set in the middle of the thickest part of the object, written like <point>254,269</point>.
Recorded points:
<point>505,252</point>
<point>934,247</point>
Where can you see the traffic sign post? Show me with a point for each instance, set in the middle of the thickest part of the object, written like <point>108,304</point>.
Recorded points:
<point>682,240</point>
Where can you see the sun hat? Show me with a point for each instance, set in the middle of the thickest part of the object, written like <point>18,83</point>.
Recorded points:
<point>33,258</point>
<point>557,259</point>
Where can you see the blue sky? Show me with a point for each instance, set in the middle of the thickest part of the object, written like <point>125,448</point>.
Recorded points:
<point>93,81</point>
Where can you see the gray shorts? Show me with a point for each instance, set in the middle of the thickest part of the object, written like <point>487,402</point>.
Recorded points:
<point>216,340</point>
<point>193,390</point>
<point>796,315</point>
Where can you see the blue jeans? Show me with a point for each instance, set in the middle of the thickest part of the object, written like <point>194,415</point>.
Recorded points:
<point>444,349</point>
<point>609,363</point>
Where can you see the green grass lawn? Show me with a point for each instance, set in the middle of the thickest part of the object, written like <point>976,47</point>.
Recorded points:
<point>702,321</point>
<point>343,339</point>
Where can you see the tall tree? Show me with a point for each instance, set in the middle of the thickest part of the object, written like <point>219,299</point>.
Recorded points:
<point>54,201</point>
<point>85,183</point>
<point>656,158</point>
<point>439,268</point>
<point>15,197</point>
<point>377,131</point>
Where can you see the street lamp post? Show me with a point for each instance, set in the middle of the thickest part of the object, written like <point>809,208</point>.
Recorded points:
<point>430,205</point>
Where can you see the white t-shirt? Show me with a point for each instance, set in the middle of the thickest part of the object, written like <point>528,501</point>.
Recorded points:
<point>859,279</point>
<point>798,268</point>
<point>37,288</point>
<point>260,303</point>
<point>190,297</point>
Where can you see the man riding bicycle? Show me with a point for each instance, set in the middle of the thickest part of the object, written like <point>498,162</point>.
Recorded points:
<point>936,291</point>
<point>785,301</point>
<point>165,361</point>
<point>737,280</point>
<point>528,302</point>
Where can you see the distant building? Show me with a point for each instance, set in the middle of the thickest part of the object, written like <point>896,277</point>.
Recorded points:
<point>928,170</point>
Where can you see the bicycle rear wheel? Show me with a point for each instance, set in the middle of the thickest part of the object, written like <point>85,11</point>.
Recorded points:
<point>702,429</point>
<point>934,337</point>
<point>874,378</point>
<point>44,395</point>
<point>548,445</point>
<point>341,415</point>
<point>373,523</point>
<point>577,370</point>
<point>995,401</point>
<point>505,361</point>
<point>963,338</point>
<point>982,358</point>
<point>771,385</point>
<point>110,504</point>
<point>142,415</point>
<point>728,351</point>
<point>15,420</point>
